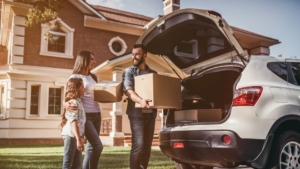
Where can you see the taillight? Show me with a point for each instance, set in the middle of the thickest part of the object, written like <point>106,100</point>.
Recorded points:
<point>247,96</point>
<point>178,145</point>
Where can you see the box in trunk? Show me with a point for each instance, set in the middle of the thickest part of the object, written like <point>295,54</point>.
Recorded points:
<point>108,91</point>
<point>198,115</point>
<point>164,91</point>
<point>209,115</point>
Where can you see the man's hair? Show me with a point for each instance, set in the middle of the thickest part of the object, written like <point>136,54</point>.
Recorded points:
<point>140,46</point>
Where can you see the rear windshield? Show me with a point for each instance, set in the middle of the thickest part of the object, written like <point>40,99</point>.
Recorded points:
<point>279,69</point>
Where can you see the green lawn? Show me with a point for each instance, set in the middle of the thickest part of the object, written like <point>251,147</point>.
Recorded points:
<point>50,156</point>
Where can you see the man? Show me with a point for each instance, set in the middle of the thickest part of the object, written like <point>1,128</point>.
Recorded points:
<point>142,120</point>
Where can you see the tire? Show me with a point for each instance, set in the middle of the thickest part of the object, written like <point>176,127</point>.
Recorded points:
<point>286,151</point>
<point>183,166</point>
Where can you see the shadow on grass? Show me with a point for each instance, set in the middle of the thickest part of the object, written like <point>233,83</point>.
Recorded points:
<point>111,158</point>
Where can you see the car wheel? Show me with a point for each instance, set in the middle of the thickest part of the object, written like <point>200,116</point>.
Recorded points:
<point>287,151</point>
<point>183,166</point>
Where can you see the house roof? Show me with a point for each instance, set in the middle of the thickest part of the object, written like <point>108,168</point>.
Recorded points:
<point>141,20</point>
<point>122,16</point>
<point>251,33</point>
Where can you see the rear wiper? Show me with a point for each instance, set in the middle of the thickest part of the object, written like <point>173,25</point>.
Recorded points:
<point>232,46</point>
<point>171,67</point>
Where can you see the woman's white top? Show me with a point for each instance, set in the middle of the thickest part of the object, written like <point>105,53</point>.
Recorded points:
<point>78,115</point>
<point>90,106</point>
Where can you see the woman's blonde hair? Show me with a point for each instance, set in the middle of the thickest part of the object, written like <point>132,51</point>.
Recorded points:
<point>72,92</point>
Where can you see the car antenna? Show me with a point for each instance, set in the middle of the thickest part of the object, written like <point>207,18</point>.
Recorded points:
<point>171,67</point>
<point>242,58</point>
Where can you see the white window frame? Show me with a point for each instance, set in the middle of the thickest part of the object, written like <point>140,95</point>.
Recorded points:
<point>43,99</point>
<point>61,100</point>
<point>69,34</point>
<point>121,41</point>
<point>195,50</point>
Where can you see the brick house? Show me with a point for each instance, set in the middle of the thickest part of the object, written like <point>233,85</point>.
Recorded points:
<point>33,71</point>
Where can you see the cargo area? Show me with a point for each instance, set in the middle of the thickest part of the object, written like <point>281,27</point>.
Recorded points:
<point>206,98</point>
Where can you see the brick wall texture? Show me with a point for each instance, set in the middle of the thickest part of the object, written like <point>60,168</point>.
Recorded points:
<point>3,55</point>
<point>85,38</point>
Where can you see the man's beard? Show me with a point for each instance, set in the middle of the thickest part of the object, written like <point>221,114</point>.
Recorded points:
<point>140,62</point>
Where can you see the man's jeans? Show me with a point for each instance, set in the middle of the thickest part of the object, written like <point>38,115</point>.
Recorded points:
<point>72,157</point>
<point>94,145</point>
<point>142,129</point>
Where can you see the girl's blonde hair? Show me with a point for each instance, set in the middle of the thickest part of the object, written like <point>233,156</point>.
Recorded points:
<point>72,92</point>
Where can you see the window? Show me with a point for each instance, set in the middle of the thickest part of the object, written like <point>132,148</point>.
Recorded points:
<point>63,44</point>
<point>34,101</point>
<point>59,42</point>
<point>2,99</point>
<point>278,68</point>
<point>296,72</point>
<point>117,46</point>
<point>55,101</point>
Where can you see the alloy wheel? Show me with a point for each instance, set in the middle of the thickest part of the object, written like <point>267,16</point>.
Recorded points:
<point>290,156</point>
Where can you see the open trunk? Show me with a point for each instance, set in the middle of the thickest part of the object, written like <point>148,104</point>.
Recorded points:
<point>207,98</point>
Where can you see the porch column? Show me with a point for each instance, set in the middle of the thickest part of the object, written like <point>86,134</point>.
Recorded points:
<point>116,114</point>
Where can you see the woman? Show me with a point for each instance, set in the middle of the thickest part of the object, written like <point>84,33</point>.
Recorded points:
<point>85,61</point>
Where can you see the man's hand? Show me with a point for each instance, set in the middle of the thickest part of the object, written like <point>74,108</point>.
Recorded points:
<point>144,103</point>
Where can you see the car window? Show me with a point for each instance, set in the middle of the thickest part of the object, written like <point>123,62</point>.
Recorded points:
<point>278,68</point>
<point>296,71</point>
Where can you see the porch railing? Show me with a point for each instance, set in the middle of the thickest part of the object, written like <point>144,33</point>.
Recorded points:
<point>106,125</point>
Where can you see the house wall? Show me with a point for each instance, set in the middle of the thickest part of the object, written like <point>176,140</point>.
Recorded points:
<point>85,38</point>
<point>16,122</point>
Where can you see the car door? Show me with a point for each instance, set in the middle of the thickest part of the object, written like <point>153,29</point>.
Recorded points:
<point>294,78</point>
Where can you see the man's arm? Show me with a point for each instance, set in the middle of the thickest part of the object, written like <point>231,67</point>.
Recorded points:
<point>128,84</point>
<point>134,97</point>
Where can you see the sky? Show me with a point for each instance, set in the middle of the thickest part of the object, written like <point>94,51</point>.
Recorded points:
<point>278,19</point>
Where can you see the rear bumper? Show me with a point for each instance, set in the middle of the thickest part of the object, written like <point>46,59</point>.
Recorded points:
<point>206,147</point>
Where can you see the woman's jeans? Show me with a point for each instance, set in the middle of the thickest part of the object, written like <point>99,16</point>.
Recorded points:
<point>72,157</point>
<point>142,129</point>
<point>94,145</point>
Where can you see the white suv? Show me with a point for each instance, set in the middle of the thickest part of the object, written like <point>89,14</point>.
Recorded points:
<point>258,96</point>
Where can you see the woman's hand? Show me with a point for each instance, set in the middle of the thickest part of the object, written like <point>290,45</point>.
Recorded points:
<point>69,106</point>
<point>80,145</point>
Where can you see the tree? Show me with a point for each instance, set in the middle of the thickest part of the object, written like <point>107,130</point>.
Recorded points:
<point>43,11</point>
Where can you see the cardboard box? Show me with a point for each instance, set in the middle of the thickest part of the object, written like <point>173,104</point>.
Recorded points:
<point>164,91</point>
<point>186,116</point>
<point>198,115</point>
<point>209,115</point>
<point>108,91</point>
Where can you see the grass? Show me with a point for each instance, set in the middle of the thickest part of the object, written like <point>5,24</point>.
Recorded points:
<point>50,157</point>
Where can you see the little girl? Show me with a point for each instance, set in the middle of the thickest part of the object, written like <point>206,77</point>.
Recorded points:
<point>72,124</point>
